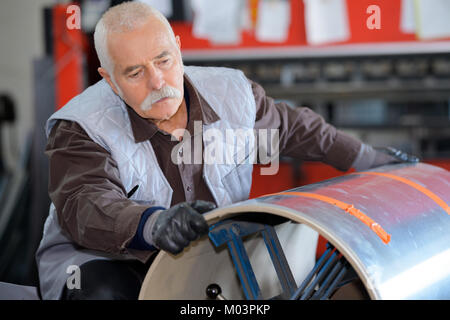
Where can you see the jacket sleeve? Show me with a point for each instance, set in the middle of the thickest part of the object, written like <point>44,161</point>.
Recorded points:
<point>90,200</point>
<point>304,134</point>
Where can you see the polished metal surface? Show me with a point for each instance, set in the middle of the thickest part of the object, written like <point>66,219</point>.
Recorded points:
<point>412,209</point>
<point>392,224</point>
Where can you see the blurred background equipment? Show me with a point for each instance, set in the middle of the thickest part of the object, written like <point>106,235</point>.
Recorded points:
<point>388,86</point>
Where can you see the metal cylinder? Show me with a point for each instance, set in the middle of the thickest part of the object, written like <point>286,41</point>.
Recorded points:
<point>392,225</point>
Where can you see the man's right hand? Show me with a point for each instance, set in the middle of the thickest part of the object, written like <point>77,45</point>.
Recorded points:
<point>174,228</point>
<point>398,155</point>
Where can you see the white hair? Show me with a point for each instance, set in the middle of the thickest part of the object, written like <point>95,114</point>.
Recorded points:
<point>124,17</point>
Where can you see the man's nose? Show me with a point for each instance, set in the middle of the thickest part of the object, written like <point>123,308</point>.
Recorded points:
<point>156,80</point>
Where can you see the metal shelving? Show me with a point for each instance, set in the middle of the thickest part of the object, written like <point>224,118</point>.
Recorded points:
<point>405,85</point>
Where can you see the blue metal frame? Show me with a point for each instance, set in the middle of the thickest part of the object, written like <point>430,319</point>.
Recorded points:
<point>320,283</point>
<point>231,232</point>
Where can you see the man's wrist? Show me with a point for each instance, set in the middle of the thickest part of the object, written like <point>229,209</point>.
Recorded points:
<point>148,227</point>
<point>365,158</point>
<point>138,242</point>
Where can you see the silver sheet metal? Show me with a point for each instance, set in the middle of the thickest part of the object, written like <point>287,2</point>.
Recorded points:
<point>413,210</point>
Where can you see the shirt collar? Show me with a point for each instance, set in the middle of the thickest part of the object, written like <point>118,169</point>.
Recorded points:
<point>198,108</point>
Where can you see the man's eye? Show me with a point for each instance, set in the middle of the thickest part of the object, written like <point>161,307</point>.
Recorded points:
<point>135,75</point>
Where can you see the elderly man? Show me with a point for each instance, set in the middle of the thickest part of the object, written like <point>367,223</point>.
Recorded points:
<point>117,195</point>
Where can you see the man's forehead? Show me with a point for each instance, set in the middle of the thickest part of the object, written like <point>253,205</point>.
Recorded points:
<point>130,66</point>
<point>141,55</point>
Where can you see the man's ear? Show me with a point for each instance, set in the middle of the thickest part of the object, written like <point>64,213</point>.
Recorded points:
<point>105,75</point>
<point>178,41</point>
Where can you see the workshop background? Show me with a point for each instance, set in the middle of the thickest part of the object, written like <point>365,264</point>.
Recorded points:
<point>377,69</point>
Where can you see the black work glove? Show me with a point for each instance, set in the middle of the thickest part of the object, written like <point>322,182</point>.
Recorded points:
<point>177,226</point>
<point>369,157</point>
<point>397,156</point>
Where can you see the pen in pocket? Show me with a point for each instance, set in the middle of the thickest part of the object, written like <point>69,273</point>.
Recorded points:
<point>132,191</point>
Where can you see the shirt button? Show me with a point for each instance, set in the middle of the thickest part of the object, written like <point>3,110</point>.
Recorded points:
<point>189,188</point>
<point>180,153</point>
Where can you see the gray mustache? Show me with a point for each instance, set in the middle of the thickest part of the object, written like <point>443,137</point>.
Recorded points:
<point>154,96</point>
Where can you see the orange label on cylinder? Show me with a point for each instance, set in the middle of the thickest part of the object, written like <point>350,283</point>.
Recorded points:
<point>349,208</point>
<point>416,186</point>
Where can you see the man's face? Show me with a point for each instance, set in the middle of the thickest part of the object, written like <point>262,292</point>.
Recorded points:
<point>147,66</point>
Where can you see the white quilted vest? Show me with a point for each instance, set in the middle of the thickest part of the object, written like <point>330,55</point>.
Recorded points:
<point>103,115</point>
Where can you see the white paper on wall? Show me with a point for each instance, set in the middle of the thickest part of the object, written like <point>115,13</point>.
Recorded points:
<point>217,20</point>
<point>326,21</point>
<point>91,12</point>
<point>274,17</point>
<point>407,18</point>
<point>433,19</point>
